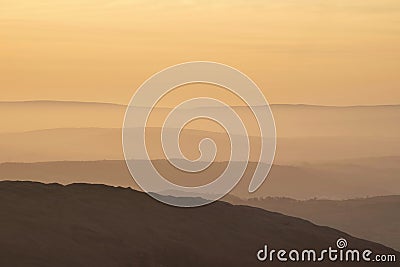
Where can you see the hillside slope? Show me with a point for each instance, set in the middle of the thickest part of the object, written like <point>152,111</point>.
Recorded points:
<point>96,225</point>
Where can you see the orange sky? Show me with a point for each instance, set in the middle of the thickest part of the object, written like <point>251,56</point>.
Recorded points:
<point>330,52</point>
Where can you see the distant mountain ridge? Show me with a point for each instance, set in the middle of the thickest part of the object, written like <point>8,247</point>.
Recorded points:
<point>61,102</point>
<point>299,182</point>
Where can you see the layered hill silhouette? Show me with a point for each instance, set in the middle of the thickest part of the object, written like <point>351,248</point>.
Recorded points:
<point>322,152</point>
<point>96,225</point>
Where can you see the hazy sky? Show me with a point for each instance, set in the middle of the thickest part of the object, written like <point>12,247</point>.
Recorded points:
<point>331,52</point>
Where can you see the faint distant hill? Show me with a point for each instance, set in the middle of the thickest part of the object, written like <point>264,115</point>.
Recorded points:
<point>96,225</point>
<point>376,218</point>
<point>291,120</point>
<point>40,115</point>
<point>61,130</point>
<point>89,144</point>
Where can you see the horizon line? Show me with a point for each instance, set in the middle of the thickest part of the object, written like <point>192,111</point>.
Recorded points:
<point>125,105</point>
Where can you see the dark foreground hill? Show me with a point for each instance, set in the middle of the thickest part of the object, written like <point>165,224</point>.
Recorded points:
<point>96,225</point>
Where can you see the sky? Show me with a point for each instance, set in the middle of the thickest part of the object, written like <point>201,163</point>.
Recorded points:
<point>326,52</point>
